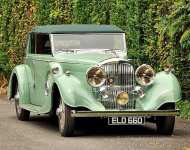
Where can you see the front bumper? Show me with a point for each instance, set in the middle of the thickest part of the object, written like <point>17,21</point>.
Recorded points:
<point>124,113</point>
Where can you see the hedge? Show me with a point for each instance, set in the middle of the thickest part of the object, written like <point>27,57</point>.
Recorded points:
<point>157,31</point>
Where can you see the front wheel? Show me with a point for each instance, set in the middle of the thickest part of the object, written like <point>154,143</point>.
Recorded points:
<point>165,124</point>
<point>65,121</point>
<point>21,113</point>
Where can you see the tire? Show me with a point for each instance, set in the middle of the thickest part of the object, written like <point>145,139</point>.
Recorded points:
<point>65,121</point>
<point>21,113</point>
<point>165,124</point>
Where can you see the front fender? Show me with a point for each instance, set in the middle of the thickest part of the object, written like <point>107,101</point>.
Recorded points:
<point>22,74</point>
<point>165,89</point>
<point>75,94</point>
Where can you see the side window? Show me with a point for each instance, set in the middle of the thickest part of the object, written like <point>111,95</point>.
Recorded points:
<point>43,44</point>
<point>40,44</point>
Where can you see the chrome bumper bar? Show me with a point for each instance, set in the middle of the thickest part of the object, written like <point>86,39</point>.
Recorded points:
<point>124,113</point>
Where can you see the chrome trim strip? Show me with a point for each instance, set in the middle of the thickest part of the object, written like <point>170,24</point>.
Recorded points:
<point>125,46</point>
<point>115,59</point>
<point>124,113</point>
<point>52,44</point>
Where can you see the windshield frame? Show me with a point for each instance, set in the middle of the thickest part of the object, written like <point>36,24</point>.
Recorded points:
<point>53,47</point>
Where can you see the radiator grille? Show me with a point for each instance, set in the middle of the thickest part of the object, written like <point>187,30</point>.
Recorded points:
<point>122,74</point>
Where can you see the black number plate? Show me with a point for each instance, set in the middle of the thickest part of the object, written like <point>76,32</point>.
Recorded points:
<point>131,120</point>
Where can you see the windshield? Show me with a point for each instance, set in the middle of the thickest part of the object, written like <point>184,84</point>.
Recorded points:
<point>71,42</point>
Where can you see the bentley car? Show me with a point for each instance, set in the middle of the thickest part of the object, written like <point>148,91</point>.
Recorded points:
<point>77,71</point>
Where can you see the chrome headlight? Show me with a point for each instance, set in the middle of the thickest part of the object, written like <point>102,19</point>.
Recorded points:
<point>96,77</point>
<point>145,75</point>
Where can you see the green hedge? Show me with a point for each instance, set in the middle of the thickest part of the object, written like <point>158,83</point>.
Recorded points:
<point>157,31</point>
<point>184,107</point>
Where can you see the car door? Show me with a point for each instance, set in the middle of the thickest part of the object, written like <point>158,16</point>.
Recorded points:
<point>38,60</point>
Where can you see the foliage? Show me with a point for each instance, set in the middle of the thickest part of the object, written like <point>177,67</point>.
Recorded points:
<point>82,11</point>
<point>166,37</point>
<point>91,11</point>
<point>178,33</point>
<point>3,60</point>
<point>157,31</point>
<point>184,107</point>
<point>53,12</point>
<point>125,14</point>
<point>17,20</point>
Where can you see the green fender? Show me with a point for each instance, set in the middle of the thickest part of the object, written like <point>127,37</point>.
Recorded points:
<point>23,75</point>
<point>74,93</point>
<point>165,89</point>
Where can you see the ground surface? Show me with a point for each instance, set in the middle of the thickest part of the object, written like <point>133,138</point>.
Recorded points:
<point>42,134</point>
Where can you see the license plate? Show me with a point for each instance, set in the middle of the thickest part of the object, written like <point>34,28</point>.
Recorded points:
<point>131,120</point>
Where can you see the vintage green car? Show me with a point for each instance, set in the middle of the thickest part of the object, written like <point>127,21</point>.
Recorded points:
<point>83,71</point>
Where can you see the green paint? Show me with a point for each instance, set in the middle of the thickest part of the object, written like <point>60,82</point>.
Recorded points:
<point>36,80</point>
<point>77,28</point>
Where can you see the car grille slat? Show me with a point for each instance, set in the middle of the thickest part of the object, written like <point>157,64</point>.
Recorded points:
<point>122,74</point>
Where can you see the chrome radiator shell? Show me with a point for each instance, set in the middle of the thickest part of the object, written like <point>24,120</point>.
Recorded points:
<point>123,76</point>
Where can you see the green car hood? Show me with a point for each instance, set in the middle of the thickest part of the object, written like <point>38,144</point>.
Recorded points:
<point>83,58</point>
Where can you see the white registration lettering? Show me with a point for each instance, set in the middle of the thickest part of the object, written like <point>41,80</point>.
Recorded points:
<point>114,120</point>
<point>130,120</point>
<point>123,120</point>
<point>140,120</point>
<point>135,120</point>
<point>126,120</point>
